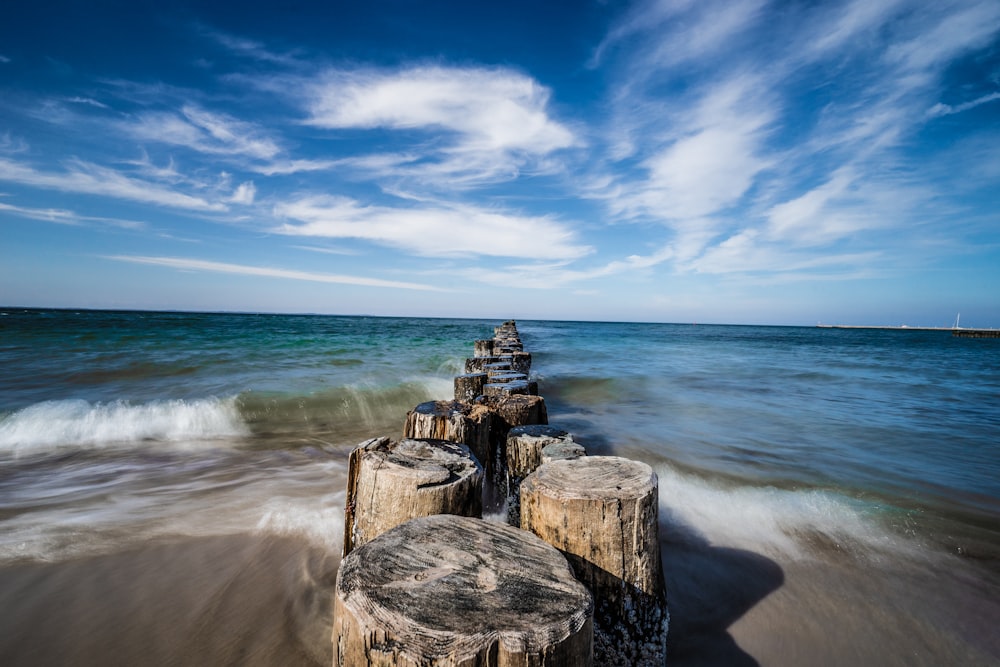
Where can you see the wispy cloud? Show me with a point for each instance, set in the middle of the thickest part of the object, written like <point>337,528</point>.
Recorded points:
<point>475,124</point>
<point>204,131</point>
<point>776,154</point>
<point>186,264</point>
<point>941,109</point>
<point>88,178</point>
<point>249,48</point>
<point>244,193</point>
<point>62,216</point>
<point>453,231</point>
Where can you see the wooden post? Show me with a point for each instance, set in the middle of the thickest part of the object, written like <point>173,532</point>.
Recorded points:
<point>506,388</point>
<point>524,454</point>
<point>392,482</point>
<point>509,410</point>
<point>469,386</point>
<point>452,421</point>
<point>601,511</point>
<point>449,591</point>
<point>564,449</point>
<point>483,348</point>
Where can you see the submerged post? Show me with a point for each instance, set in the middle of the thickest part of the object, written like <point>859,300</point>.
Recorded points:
<point>601,512</point>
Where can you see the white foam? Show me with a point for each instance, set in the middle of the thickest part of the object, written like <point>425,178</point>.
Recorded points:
<point>318,520</point>
<point>80,424</point>
<point>780,522</point>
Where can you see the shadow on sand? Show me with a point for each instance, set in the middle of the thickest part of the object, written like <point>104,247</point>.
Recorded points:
<point>708,589</point>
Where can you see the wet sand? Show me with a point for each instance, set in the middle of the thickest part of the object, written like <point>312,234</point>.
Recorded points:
<point>240,600</point>
<point>265,600</point>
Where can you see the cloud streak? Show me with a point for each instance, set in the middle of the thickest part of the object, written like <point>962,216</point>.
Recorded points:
<point>442,231</point>
<point>88,178</point>
<point>185,264</point>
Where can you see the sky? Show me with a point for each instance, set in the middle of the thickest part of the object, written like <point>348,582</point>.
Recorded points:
<point>728,161</point>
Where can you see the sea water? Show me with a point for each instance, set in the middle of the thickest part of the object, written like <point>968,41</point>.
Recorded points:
<point>172,484</point>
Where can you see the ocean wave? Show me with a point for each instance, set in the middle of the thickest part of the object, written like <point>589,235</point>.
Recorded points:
<point>319,520</point>
<point>793,524</point>
<point>53,425</point>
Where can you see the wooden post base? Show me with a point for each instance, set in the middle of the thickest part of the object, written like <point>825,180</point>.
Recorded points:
<point>602,511</point>
<point>449,591</point>
<point>392,482</point>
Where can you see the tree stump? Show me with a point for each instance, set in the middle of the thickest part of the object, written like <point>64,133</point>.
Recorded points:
<point>449,591</point>
<point>478,364</point>
<point>523,454</point>
<point>469,386</point>
<point>519,361</point>
<point>565,449</point>
<point>391,482</point>
<point>452,421</point>
<point>506,388</point>
<point>601,511</point>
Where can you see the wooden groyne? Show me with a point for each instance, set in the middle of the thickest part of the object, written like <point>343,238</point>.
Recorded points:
<point>572,579</point>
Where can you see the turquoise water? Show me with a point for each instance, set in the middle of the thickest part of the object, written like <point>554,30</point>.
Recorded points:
<point>851,448</point>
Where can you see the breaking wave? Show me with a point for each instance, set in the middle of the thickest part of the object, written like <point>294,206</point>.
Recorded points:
<point>68,424</point>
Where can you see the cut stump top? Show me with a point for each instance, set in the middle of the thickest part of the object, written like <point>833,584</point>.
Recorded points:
<point>593,477</point>
<point>440,583</point>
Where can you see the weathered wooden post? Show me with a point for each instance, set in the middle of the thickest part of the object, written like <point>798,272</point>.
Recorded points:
<point>469,386</point>
<point>483,348</point>
<point>564,449</point>
<point>508,410</point>
<point>453,421</point>
<point>601,511</point>
<point>391,482</point>
<point>523,455</point>
<point>450,591</point>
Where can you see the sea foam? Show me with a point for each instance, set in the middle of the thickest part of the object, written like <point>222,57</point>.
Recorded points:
<point>55,425</point>
<point>786,523</point>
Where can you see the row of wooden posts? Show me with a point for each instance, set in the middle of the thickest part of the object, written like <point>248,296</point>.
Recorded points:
<point>565,570</point>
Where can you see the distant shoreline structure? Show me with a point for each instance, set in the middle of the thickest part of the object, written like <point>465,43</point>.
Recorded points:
<point>961,332</point>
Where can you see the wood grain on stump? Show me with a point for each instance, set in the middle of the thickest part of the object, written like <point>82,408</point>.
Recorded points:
<point>391,482</point>
<point>453,421</point>
<point>601,511</point>
<point>450,591</point>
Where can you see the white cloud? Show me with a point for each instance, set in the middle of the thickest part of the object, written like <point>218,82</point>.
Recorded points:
<point>87,178</point>
<point>66,217</point>
<point>4,59</point>
<point>940,33</point>
<point>455,230</point>
<point>475,123</point>
<point>205,132</point>
<point>941,109</point>
<point>244,193</point>
<point>555,275</point>
<point>267,272</point>
<point>88,102</point>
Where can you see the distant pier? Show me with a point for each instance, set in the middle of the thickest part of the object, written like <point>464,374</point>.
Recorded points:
<point>958,332</point>
<point>976,333</point>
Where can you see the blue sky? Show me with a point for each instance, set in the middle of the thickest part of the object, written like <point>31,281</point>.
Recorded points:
<point>736,161</point>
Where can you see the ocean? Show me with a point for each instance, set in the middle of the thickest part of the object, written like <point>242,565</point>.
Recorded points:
<point>172,484</point>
